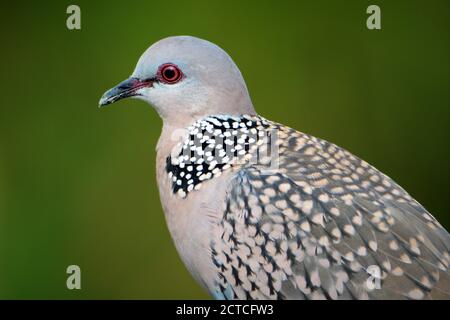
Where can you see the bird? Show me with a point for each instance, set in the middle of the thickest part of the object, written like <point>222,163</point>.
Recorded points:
<point>258,210</point>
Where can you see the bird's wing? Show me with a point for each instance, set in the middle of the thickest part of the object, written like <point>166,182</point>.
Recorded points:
<point>325,224</point>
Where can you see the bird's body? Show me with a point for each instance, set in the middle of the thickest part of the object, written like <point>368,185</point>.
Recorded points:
<point>258,210</point>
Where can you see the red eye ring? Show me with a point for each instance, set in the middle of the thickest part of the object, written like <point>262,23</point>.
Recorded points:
<point>169,73</point>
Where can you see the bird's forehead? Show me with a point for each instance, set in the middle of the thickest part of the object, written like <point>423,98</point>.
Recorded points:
<point>151,60</point>
<point>186,52</point>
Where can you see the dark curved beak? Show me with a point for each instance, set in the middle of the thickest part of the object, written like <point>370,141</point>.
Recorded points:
<point>123,90</point>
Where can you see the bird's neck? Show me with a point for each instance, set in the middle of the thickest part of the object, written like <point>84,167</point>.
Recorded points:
<point>208,147</point>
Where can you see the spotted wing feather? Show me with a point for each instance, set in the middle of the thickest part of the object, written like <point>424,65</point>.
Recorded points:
<point>326,225</point>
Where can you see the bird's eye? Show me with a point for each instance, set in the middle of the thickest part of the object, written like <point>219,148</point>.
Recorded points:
<point>170,73</point>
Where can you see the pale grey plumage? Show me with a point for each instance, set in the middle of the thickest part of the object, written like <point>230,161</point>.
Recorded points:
<point>258,210</point>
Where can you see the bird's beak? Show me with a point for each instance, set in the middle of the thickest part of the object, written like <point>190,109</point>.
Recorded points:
<point>125,89</point>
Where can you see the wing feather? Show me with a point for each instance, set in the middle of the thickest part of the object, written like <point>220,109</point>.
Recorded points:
<point>326,225</point>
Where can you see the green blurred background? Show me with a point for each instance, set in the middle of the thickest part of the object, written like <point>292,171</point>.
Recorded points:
<point>77,184</point>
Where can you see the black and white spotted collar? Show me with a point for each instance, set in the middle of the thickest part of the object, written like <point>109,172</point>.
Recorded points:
<point>213,145</point>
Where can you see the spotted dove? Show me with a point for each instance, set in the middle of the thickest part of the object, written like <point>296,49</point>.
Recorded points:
<point>258,210</point>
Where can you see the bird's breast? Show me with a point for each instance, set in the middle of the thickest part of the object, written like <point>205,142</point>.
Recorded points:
<point>192,221</point>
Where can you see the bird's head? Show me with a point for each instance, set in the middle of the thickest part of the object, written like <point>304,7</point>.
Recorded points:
<point>185,78</point>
